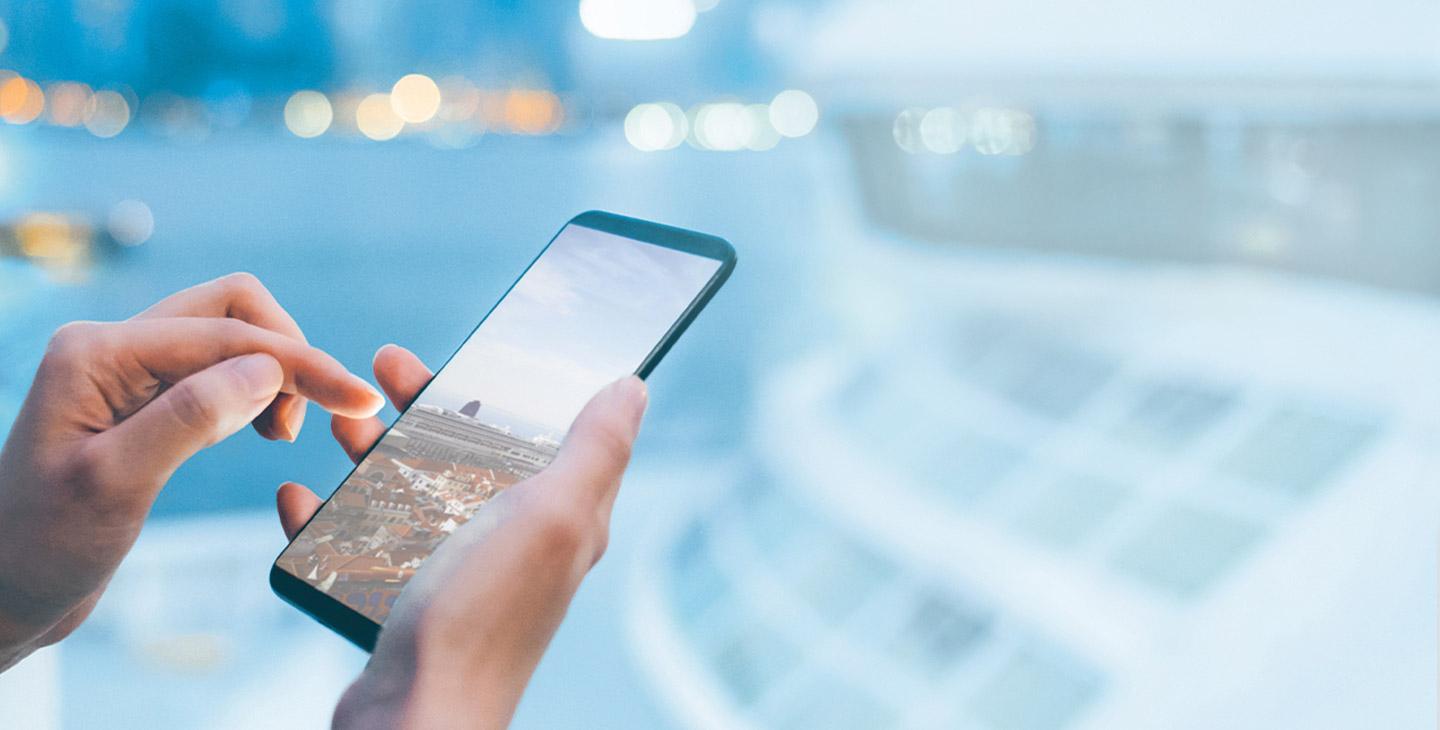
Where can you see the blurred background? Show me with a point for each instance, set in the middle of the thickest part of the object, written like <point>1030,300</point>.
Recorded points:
<point>1079,370</point>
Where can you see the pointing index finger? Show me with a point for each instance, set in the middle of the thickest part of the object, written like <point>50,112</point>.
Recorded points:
<point>242,296</point>
<point>171,349</point>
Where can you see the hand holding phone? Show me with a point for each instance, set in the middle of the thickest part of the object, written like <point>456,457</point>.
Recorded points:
<point>606,298</point>
<point>467,633</point>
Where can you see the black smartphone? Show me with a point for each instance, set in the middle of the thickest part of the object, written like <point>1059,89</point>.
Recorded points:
<point>608,296</point>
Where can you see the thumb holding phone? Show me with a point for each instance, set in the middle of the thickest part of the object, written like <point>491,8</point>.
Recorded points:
<point>470,628</point>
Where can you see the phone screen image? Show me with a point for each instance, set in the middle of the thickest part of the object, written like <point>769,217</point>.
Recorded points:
<point>592,308</point>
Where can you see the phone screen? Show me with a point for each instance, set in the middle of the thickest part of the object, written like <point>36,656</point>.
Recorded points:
<point>590,309</point>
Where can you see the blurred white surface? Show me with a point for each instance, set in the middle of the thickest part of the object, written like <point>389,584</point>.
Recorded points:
<point>1146,496</point>
<point>30,693</point>
<point>1392,40</point>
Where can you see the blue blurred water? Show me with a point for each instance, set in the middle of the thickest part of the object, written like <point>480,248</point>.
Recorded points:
<point>402,243</point>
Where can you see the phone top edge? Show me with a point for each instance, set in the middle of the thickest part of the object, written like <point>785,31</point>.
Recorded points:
<point>660,234</point>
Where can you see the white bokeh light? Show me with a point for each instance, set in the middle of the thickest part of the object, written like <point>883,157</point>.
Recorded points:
<point>907,130</point>
<point>723,127</point>
<point>794,113</point>
<point>415,98</point>
<point>308,114</point>
<point>130,222</point>
<point>942,130</point>
<point>763,135</point>
<point>654,127</point>
<point>376,119</point>
<point>106,113</point>
<point>1002,131</point>
<point>637,20</point>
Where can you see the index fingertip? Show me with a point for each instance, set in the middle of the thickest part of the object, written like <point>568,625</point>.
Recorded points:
<point>369,402</point>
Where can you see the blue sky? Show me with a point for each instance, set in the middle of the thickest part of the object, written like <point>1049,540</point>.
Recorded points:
<point>585,314</point>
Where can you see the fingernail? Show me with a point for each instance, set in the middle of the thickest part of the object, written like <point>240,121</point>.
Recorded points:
<point>261,373</point>
<point>377,401</point>
<point>295,418</point>
<point>381,351</point>
<point>367,386</point>
<point>637,395</point>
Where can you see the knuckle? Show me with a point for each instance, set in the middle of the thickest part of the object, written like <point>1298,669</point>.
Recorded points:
<point>613,440</point>
<point>566,532</point>
<point>73,341</point>
<point>87,468</point>
<point>243,286</point>
<point>98,481</point>
<point>192,411</point>
<point>242,281</point>
<point>91,478</point>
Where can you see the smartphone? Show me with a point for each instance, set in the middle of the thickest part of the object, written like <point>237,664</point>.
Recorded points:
<point>607,297</point>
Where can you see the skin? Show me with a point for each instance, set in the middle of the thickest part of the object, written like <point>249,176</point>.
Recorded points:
<point>116,407</point>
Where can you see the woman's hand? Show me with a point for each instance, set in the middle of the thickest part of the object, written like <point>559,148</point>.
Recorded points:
<point>468,630</point>
<point>117,407</point>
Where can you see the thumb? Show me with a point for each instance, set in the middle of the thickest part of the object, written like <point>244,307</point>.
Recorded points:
<point>196,412</point>
<point>296,504</point>
<point>597,448</point>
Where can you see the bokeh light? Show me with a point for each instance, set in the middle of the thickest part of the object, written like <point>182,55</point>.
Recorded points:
<point>308,114</point>
<point>12,92</point>
<point>459,99</point>
<point>532,111</point>
<point>1002,131</point>
<point>106,113</point>
<point>654,127</point>
<point>763,135</point>
<point>637,20</point>
<point>176,117</point>
<point>415,98</point>
<point>907,130</point>
<point>21,100</point>
<point>61,243</point>
<point>942,130</point>
<point>793,113</point>
<point>376,118</point>
<point>945,130</point>
<point>130,222</point>
<point>723,127</point>
<point>67,102</point>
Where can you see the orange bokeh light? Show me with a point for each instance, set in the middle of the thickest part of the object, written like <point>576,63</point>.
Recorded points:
<point>530,111</point>
<point>21,101</point>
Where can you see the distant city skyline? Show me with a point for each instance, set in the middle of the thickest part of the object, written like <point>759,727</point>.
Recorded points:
<point>487,413</point>
<point>586,313</point>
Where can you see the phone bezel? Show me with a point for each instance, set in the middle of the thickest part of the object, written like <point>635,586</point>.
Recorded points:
<point>360,629</point>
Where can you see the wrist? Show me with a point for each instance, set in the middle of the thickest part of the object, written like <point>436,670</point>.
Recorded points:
<point>417,679</point>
